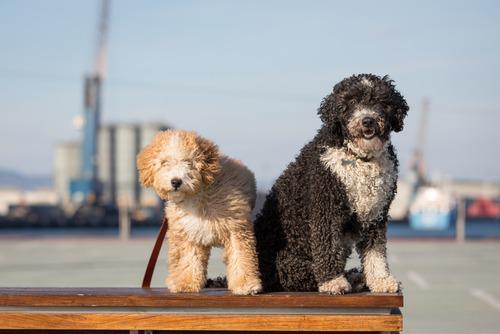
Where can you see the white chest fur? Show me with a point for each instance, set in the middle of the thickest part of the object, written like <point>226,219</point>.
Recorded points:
<point>195,226</point>
<point>197,229</point>
<point>369,184</point>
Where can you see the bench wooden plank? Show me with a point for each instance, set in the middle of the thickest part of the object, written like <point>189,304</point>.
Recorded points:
<point>116,309</point>
<point>65,331</point>
<point>160,297</point>
<point>161,321</point>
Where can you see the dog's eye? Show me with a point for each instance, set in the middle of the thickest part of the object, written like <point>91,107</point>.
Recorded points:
<point>383,108</point>
<point>164,163</point>
<point>187,162</point>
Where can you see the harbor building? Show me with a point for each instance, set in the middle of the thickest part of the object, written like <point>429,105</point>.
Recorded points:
<point>117,147</point>
<point>67,161</point>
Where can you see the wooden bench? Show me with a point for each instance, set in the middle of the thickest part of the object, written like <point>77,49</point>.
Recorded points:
<point>129,310</point>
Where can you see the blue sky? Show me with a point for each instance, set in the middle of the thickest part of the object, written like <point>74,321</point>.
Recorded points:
<point>250,75</point>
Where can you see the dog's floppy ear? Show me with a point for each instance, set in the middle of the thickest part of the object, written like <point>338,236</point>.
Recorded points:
<point>210,164</point>
<point>327,112</point>
<point>330,112</point>
<point>146,160</point>
<point>399,107</point>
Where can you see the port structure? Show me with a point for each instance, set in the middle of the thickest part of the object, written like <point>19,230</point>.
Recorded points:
<point>87,187</point>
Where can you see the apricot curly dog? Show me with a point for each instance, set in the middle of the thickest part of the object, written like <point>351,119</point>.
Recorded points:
<point>209,202</point>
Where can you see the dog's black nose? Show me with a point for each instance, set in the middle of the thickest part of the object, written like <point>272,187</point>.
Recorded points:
<point>368,122</point>
<point>176,183</point>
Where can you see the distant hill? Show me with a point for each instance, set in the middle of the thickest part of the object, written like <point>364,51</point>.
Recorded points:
<point>11,178</point>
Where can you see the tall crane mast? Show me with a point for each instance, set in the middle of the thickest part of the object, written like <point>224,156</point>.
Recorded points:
<point>101,50</point>
<point>417,174</point>
<point>418,161</point>
<point>88,187</point>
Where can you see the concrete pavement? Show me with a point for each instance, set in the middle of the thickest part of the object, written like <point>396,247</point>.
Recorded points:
<point>448,287</point>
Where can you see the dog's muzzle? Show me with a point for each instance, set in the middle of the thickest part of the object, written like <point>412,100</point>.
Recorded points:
<point>369,127</point>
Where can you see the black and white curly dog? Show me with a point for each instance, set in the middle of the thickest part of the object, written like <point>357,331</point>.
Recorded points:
<point>336,194</point>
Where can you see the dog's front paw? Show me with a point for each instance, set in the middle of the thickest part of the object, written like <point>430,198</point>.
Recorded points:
<point>336,286</point>
<point>384,284</point>
<point>250,287</point>
<point>179,288</point>
<point>186,286</point>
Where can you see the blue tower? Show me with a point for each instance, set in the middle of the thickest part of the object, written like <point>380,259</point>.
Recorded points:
<point>88,188</point>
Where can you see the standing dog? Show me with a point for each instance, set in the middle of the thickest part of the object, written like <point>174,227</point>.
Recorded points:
<point>209,202</point>
<point>336,194</point>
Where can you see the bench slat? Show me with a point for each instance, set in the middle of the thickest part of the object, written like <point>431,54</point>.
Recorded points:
<point>132,321</point>
<point>160,297</point>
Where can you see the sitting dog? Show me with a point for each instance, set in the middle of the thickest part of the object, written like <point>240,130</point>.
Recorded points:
<point>336,194</point>
<point>209,202</point>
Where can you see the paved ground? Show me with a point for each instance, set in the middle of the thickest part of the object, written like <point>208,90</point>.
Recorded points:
<point>449,288</point>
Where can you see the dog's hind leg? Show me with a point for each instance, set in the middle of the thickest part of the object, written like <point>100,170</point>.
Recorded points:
<point>339,284</point>
<point>241,260</point>
<point>188,263</point>
<point>329,250</point>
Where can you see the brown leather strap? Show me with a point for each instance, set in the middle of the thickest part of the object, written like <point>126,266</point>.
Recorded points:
<point>146,281</point>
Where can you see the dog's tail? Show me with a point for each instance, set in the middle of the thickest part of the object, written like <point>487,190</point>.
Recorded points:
<point>220,282</point>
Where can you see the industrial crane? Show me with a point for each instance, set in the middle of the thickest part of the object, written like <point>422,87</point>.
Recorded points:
<point>417,165</point>
<point>88,188</point>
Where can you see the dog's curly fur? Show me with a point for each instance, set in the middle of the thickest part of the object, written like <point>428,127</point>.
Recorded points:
<point>336,194</point>
<point>209,202</point>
